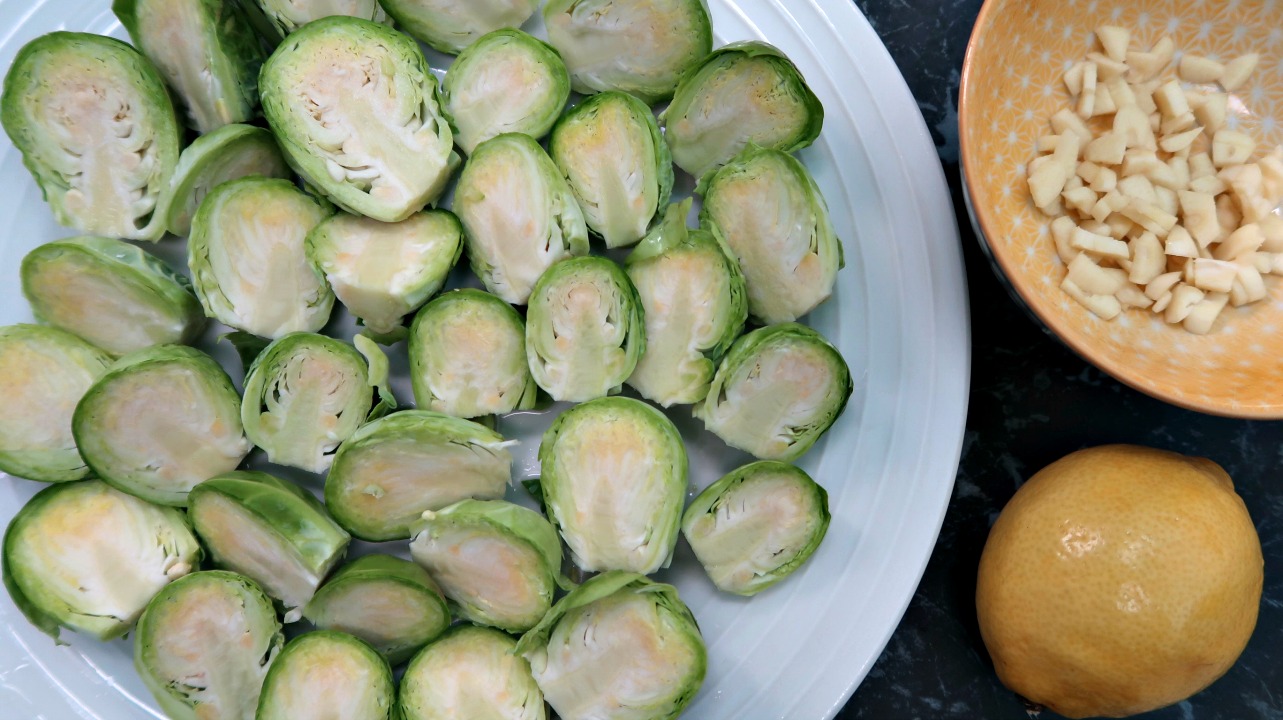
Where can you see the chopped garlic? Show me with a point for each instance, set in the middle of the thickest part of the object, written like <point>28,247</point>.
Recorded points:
<point>1198,69</point>
<point>1114,40</point>
<point>1203,315</point>
<point>1238,70</point>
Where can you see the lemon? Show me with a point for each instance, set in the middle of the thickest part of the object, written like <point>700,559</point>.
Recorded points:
<point>1118,580</point>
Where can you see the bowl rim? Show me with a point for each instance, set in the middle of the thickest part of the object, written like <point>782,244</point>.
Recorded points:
<point>1002,263</point>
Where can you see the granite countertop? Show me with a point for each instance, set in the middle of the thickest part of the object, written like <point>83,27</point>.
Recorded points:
<point>1033,401</point>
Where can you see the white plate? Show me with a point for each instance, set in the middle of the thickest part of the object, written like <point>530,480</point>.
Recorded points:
<point>899,316</point>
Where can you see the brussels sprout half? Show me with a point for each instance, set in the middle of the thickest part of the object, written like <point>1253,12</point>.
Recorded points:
<point>87,557</point>
<point>620,647</point>
<point>248,262</point>
<point>110,293</point>
<point>756,525</point>
<point>695,306</point>
<point>505,82</point>
<point>159,422</point>
<point>43,374</point>
<point>585,329</point>
<point>205,644</point>
<point>304,395</point>
<point>617,164</point>
<point>519,214</point>
<point>499,563</point>
<point>270,530</point>
<point>385,271</point>
<point>326,674</point>
<point>352,104</point>
<point>393,469</point>
<point>286,16</point>
<point>774,218</point>
<point>745,92</point>
<point>390,603</point>
<point>468,356</point>
<point>639,46</point>
<point>777,391</point>
<point>452,25</point>
<point>96,128</point>
<point>614,482</point>
<point>471,672</point>
<point>206,50</point>
<point>228,153</point>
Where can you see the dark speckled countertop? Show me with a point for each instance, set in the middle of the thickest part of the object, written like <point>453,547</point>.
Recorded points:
<point>1033,401</point>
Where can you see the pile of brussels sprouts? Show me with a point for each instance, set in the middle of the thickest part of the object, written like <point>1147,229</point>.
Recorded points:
<point>339,194</point>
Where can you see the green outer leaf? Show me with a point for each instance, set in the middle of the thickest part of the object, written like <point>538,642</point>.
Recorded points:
<point>171,293</point>
<point>284,24</point>
<point>285,510</point>
<point>556,496</point>
<point>101,458</point>
<point>377,363</point>
<point>248,346</point>
<point>426,354</point>
<point>232,54</point>
<point>398,55</point>
<point>724,491</point>
<point>626,311</point>
<point>790,78</point>
<point>23,86</point>
<point>424,427</point>
<point>56,464</point>
<point>475,60</point>
<point>563,215</point>
<point>285,444</point>
<point>269,707</point>
<point>373,569</point>
<point>432,25</point>
<point>563,152</point>
<point>213,159</point>
<point>516,524</point>
<point>745,351</point>
<point>652,87</point>
<point>472,637</point>
<point>260,615</point>
<point>24,584</point>
<point>207,230</point>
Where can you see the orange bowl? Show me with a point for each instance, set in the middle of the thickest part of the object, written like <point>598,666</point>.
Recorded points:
<point>1011,85</point>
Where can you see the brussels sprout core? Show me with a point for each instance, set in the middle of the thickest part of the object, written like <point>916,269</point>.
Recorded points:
<point>228,153</point>
<point>472,672</point>
<point>326,674</point>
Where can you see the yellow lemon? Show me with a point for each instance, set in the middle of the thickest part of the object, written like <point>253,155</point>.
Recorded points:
<point>1118,580</point>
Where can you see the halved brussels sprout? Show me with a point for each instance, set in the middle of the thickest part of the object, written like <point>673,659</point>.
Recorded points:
<point>774,218</point>
<point>247,258</point>
<point>289,15</point>
<point>352,104</point>
<point>393,469</point>
<point>385,271</point>
<point>776,392</point>
<point>745,92</point>
<point>269,530</point>
<point>87,557</point>
<point>205,49</point>
<point>159,422</point>
<point>110,293</point>
<point>471,672</point>
<point>499,563</point>
<point>614,482</point>
<point>506,82</point>
<point>620,647</point>
<point>390,603</point>
<point>96,128</point>
<point>326,674</point>
<point>585,329</point>
<point>612,154</point>
<point>452,25</point>
<point>519,214</point>
<point>639,46</point>
<point>205,644</point>
<point>756,525</point>
<point>228,153</point>
<point>468,356</point>
<point>43,374</point>
<point>695,306</point>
